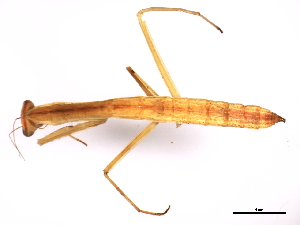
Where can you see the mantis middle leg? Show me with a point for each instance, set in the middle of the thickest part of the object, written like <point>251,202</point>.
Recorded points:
<point>142,135</point>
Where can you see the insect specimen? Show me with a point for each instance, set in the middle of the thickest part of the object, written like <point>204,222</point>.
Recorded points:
<point>151,107</point>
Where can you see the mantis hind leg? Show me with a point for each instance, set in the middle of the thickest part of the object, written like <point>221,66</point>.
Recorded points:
<point>156,56</point>
<point>142,135</point>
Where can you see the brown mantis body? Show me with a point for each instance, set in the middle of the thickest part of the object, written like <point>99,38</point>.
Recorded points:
<point>154,108</point>
<point>151,107</point>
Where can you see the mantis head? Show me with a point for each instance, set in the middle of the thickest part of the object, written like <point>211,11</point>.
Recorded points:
<point>28,126</point>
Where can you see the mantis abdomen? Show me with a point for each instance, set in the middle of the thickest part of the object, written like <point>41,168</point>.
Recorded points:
<point>193,111</point>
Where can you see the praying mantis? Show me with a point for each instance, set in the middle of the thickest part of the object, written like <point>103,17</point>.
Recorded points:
<point>151,107</point>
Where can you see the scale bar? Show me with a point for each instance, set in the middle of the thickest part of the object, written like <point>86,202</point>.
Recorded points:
<point>259,212</point>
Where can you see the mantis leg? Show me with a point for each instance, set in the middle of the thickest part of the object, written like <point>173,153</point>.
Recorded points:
<point>146,87</point>
<point>157,58</point>
<point>68,131</point>
<point>121,155</point>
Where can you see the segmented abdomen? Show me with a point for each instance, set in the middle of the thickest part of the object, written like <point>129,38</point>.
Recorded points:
<point>193,111</point>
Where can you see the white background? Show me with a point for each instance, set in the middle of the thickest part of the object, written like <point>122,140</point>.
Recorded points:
<point>77,51</point>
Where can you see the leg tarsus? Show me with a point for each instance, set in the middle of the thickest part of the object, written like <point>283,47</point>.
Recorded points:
<point>156,214</point>
<point>142,11</point>
<point>77,139</point>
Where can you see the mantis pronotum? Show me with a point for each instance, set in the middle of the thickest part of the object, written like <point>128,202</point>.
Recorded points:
<point>151,107</point>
